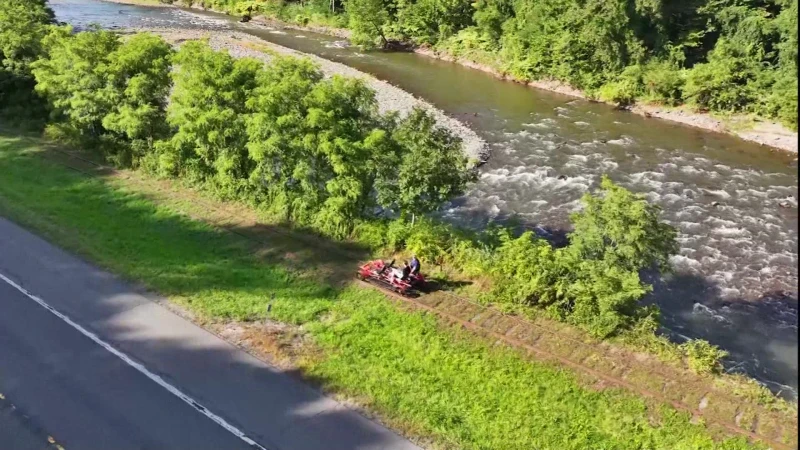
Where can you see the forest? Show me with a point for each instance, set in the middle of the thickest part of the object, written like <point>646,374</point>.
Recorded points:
<point>723,56</point>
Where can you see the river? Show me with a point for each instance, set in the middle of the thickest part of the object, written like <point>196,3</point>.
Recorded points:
<point>735,203</point>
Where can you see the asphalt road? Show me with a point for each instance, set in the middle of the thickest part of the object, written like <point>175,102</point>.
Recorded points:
<point>57,379</point>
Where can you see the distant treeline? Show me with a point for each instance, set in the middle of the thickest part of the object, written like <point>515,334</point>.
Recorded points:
<point>728,56</point>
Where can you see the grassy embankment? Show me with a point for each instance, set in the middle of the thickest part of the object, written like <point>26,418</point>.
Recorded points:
<point>429,380</point>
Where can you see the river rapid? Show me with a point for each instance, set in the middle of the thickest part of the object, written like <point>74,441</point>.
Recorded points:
<point>734,203</point>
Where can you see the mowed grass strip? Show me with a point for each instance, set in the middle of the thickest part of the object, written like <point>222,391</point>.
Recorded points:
<point>439,383</point>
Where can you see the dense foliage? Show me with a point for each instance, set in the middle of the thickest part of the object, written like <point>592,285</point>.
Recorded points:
<point>592,282</point>
<point>103,90</point>
<point>315,152</point>
<point>721,55</point>
<point>24,24</point>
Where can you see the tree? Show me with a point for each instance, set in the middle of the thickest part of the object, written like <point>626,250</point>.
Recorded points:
<point>73,78</point>
<point>23,24</point>
<point>102,89</point>
<point>368,21</point>
<point>342,117</point>
<point>430,21</point>
<point>137,85</point>
<point>596,281</point>
<point>276,129</point>
<point>432,166</point>
<point>623,230</point>
<point>207,111</point>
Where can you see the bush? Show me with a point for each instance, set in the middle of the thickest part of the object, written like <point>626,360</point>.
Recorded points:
<point>782,102</point>
<point>428,240</point>
<point>624,91</point>
<point>663,83</point>
<point>372,233</point>
<point>726,83</point>
<point>703,357</point>
<point>523,270</point>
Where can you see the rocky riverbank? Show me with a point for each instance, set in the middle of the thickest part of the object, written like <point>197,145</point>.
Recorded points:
<point>767,133</point>
<point>389,97</point>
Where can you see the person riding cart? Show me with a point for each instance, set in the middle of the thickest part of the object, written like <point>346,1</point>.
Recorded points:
<point>415,266</point>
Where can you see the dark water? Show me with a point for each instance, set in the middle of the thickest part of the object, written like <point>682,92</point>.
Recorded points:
<point>734,203</point>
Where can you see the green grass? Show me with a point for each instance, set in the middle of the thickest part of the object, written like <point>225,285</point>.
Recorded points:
<point>431,381</point>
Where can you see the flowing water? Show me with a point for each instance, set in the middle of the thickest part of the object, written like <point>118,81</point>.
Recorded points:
<point>734,203</point>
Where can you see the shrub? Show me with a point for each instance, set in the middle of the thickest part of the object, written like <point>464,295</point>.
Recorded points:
<point>372,233</point>
<point>625,89</point>
<point>727,82</point>
<point>523,270</point>
<point>663,83</point>
<point>429,240</point>
<point>782,101</point>
<point>703,357</point>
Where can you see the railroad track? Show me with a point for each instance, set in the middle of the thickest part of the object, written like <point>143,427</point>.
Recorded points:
<point>472,316</point>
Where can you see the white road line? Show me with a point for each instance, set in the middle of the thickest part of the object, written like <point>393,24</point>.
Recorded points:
<point>160,381</point>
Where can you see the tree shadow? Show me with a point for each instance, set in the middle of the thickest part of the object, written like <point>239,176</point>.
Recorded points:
<point>301,251</point>
<point>275,408</point>
<point>444,284</point>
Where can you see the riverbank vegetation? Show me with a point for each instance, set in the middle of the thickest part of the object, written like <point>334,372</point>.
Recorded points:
<point>316,153</point>
<point>313,153</point>
<point>437,383</point>
<point>724,57</point>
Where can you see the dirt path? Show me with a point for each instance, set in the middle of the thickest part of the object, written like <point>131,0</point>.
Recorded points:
<point>600,365</point>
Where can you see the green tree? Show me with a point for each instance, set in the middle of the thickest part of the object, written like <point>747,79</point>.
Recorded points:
<point>207,110</point>
<point>23,25</point>
<point>342,118</point>
<point>368,20</point>
<point>137,85</point>
<point>105,90</point>
<point>277,130</point>
<point>73,78</point>
<point>430,21</point>
<point>622,229</point>
<point>432,167</point>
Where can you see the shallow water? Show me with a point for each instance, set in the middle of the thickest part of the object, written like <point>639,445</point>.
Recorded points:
<point>735,203</point>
